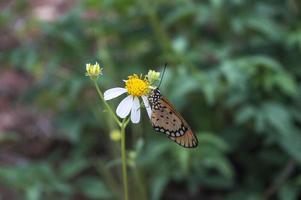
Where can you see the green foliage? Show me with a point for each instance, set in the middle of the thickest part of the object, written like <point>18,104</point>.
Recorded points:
<point>233,72</point>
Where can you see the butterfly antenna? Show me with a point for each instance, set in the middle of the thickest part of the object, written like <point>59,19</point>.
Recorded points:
<point>162,75</point>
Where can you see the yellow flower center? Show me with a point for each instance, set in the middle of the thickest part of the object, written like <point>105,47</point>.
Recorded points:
<point>136,86</point>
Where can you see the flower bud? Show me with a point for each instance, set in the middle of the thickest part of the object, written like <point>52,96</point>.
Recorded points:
<point>93,71</point>
<point>153,76</point>
<point>115,135</point>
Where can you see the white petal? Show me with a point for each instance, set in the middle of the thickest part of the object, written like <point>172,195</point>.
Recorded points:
<point>113,93</point>
<point>135,113</point>
<point>124,108</point>
<point>147,106</point>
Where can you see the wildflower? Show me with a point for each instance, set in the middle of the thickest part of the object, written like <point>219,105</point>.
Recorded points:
<point>93,71</point>
<point>115,135</point>
<point>136,87</point>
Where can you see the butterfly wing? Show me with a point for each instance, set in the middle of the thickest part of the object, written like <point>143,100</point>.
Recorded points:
<point>167,120</point>
<point>187,140</point>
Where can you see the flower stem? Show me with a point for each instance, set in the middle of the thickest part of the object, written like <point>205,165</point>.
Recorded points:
<point>123,158</point>
<point>107,105</point>
<point>122,126</point>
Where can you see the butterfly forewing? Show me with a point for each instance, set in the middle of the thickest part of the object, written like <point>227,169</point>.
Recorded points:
<point>167,120</point>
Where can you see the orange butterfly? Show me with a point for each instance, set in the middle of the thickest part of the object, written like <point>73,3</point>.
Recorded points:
<point>167,120</point>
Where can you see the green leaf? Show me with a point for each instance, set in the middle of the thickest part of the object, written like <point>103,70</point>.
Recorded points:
<point>206,138</point>
<point>288,192</point>
<point>278,117</point>
<point>93,187</point>
<point>158,184</point>
<point>33,193</point>
<point>291,143</point>
<point>71,168</point>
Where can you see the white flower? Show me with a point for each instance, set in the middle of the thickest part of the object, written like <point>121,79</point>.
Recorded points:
<point>135,87</point>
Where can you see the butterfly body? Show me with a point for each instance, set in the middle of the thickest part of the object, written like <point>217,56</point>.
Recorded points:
<point>167,120</point>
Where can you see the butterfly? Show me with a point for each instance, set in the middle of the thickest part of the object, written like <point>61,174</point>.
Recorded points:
<point>167,120</point>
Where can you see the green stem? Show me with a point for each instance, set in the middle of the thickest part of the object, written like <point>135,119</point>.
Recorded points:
<point>123,158</point>
<point>107,105</point>
<point>122,126</point>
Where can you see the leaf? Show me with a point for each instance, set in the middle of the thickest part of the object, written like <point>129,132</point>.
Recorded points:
<point>93,187</point>
<point>206,138</point>
<point>291,143</point>
<point>278,117</point>
<point>180,44</point>
<point>222,165</point>
<point>33,193</point>
<point>71,168</point>
<point>288,192</point>
<point>286,83</point>
<point>245,114</point>
<point>158,184</point>
<point>179,14</point>
<point>244,194</point>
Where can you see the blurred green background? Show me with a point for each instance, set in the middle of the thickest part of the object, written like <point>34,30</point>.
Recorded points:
<point>234,73</point>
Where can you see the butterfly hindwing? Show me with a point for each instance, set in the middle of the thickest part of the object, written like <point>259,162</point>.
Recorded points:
<point>167,120</point>
<point>187,140</point>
